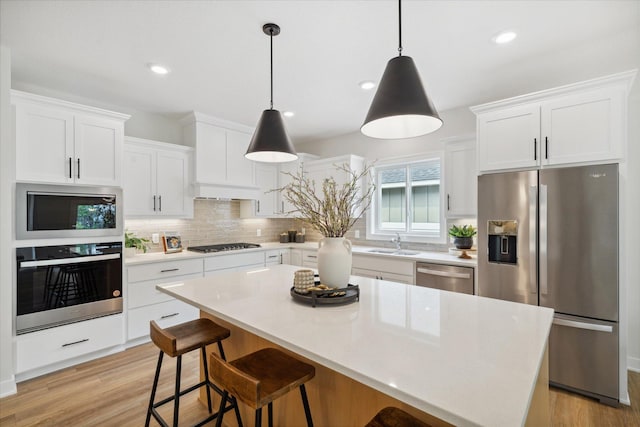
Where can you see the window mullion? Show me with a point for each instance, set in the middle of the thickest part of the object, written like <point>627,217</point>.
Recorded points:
<point>409,200</point>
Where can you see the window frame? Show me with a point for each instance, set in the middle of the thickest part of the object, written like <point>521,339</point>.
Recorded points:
<point>373,230</point>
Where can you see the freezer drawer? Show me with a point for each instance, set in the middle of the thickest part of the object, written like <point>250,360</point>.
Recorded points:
<point>583,357</point>
<point>445,277</point>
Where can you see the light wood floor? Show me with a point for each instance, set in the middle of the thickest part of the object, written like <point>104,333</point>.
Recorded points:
<point>114,391</point>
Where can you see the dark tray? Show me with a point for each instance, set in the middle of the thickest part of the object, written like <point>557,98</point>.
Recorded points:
<point>322,297</point>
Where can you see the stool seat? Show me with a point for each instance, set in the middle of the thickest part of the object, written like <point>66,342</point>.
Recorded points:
<point>394,417</point>
<point>259,378</point>
<point>185,337</point>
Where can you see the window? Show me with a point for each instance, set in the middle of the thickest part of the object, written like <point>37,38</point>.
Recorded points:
<point>408,201</point>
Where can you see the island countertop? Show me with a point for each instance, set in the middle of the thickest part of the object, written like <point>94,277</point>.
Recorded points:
<point>465,359</point>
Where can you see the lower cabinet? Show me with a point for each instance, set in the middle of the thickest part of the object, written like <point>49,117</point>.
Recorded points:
<point>55,345</point>
<point>145,303</point>
<point>233,262</point>
<point>277,256</point>
<point>385,269</point>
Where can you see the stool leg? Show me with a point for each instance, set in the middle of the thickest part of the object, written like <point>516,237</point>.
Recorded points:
<point>176,405</point>
<point>270,413</point>
<point>153,389</point>
<point>206,378</point>
<point>258,417</point>
<point>235,405</point>
<point>225,394</point>
<point>221,350</point>
<point>305,402</point>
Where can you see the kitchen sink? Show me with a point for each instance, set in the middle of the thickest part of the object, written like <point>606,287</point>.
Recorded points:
<point>393,251</point>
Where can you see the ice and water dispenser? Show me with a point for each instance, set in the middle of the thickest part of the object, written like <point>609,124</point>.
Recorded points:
<point>503,241</point>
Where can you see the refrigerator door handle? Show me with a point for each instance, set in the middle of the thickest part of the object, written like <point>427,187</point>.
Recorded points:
<point>583,325</point>
<point>543,239</point>
<point>533,203</point>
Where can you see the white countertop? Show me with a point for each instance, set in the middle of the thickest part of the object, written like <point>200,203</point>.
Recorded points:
<point>468,360</point>
<point>422,256</point>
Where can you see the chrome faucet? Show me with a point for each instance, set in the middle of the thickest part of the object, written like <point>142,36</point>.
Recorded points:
<point>397,241</point>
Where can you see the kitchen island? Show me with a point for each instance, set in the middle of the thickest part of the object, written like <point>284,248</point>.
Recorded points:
<point>447,358</point>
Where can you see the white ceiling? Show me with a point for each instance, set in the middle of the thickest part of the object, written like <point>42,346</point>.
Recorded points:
<point>219,56</point>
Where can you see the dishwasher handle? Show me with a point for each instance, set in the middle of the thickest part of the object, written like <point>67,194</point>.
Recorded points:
<point>443,273</point>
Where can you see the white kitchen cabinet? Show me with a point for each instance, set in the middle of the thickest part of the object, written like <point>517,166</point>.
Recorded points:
<point>220,168</point>
<point>285,179</point>
<point>234,262</point>
<point>310,258</point>
<point>266,205</point>
<point>295,257</point>
<point>64,143</point>
<point>37,350</point>
<point>146,303</point>
<point>578,123</point>
<point>461,178</point>
<point>156,179</point>
<point>277,256</point>
<point>383,268</point>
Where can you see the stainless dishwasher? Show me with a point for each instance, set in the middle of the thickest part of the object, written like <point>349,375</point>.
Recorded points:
<point>445,277</point>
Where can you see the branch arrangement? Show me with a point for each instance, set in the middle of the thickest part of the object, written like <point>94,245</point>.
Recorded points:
<point>334,211</point>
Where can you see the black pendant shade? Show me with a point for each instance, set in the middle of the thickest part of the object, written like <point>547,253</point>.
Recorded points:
<point>400,108</point>
<point>270,142</point>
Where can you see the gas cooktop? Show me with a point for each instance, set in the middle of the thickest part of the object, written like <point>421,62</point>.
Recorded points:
<point>223,247</point>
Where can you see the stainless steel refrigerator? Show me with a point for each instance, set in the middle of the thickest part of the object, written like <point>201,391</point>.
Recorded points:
<point>550,238</point>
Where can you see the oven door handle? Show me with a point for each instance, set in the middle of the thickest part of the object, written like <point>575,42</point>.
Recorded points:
<point>62,261</point>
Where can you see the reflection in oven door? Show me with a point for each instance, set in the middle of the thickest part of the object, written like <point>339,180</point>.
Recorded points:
<point>64,284</point>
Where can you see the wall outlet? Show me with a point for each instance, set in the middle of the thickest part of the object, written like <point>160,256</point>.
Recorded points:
<point>357,234</point>
<point>155,238</point>
<point>258,232</point>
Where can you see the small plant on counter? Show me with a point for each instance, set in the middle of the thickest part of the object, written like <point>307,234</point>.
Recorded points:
<point>131,241</point>
<point>464,231</point>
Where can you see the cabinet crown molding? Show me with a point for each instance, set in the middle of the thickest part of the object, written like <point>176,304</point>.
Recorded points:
<point>157,144</point>
<point>18,96</point>
<point>624,79</point>
<point>196,116</point>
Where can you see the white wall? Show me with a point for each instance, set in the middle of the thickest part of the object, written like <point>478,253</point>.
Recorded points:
<point>7,166</point>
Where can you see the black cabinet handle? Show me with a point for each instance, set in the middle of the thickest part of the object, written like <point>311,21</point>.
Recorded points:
<point>78,168</point>
<point>154,203</point>
<point>546,147</point>
<point>70,176</point>
<point>75,342</point>
<point>169,269</point>
<point>258,205</point>
<point>160,203</point>
<point>535,149</point>
<point>166,316</point>
<point>448,202</point>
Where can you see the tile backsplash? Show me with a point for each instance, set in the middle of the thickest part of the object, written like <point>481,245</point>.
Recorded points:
<point>218,221</point>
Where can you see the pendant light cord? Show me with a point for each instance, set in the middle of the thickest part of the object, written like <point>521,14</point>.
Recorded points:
<point>399,27</point>
<point>271,47</point>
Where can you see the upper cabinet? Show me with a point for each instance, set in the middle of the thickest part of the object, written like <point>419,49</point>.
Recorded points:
<point>578,123</point>
<point>156,179</point>
<point>62,142</point>
<point>461,178</point>
<point>220,168</point>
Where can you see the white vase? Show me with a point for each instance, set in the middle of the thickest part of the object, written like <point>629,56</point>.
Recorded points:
<point>129,252</point>
<point>334,261</point>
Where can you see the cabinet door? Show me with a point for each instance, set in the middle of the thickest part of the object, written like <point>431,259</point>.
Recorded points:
<point>211,157</point>
<point>283,179</point>
<point>583,127</point>
<point>295,257</point>
<point>509,138</point>
<point>172,182</point>
<point>98,151</point>
<point>44,144</point>
<point>139,183</point>
<point>239,168</point>
<point>460,180</point>
<point>267,179</point>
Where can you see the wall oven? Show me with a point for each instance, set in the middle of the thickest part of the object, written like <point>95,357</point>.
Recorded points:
<point>67,283</point>
<point>59,211</point>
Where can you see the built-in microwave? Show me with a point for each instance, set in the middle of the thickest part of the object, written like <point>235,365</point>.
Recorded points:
<point>58,211</point>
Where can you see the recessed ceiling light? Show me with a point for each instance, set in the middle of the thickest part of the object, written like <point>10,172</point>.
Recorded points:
<point>367,84</point>
<point>288,113</point>
<point>504,37</point>
<point>158,69</point>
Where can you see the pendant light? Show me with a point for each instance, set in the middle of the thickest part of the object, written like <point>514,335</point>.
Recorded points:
<point>270,142</point>
<point>400,107</point>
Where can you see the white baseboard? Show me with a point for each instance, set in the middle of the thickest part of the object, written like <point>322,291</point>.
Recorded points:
<point>8,387</point>
<point>633,364</point>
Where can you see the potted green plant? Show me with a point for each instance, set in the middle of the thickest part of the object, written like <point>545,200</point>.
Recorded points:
<point>463,236</point>
<point>134,243</point>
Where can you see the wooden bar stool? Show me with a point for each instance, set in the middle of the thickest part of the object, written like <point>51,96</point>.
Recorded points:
<point>259,378</point>
<point>176,341</point>
<point>394,417</point>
